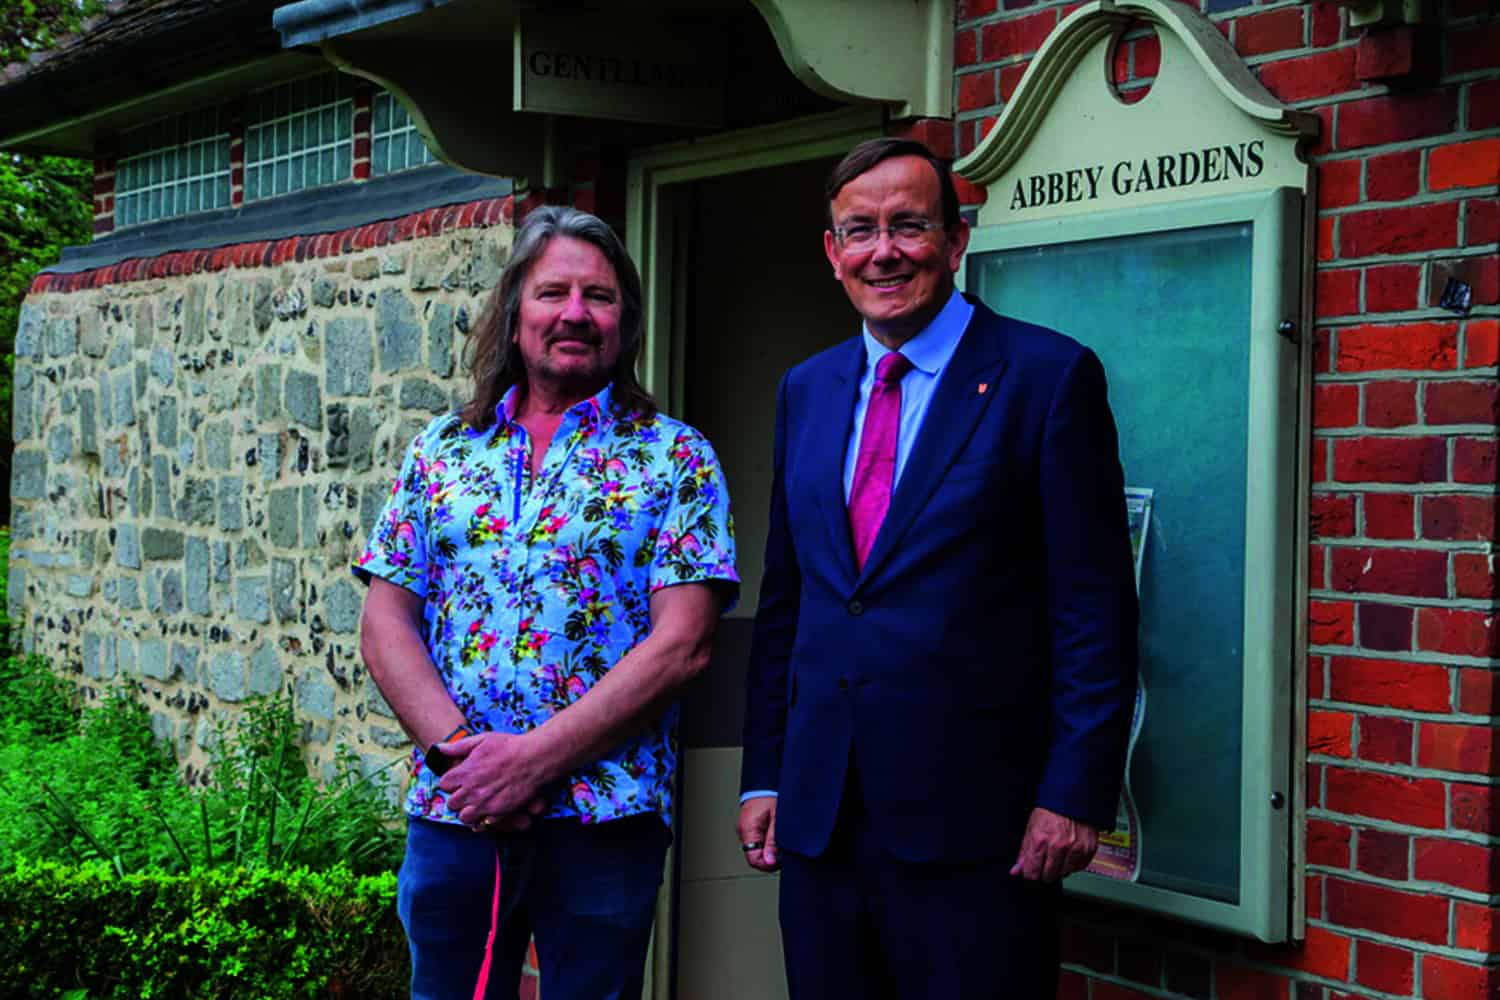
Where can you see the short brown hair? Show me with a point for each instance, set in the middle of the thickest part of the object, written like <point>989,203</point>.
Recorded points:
<point>871,152</point>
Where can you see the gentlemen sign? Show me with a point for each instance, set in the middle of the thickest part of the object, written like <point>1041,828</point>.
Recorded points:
<point>631,71</point>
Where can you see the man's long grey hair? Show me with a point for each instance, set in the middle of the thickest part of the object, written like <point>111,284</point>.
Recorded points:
<point>493,357</point>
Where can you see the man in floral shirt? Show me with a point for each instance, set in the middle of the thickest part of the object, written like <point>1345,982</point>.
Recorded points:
<point>544,578</point>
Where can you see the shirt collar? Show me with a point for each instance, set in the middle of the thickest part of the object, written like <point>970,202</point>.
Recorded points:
<point>594,411</point>
<point>931,349</point>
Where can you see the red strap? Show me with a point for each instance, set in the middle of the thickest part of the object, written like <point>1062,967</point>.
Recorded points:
<point>489,945</point>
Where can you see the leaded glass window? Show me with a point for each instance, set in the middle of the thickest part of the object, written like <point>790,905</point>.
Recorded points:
<point>299,135</point>
<point>395,143</point>
<point>172,167</point>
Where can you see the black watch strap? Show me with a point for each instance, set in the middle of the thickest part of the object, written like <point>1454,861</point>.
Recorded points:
<point>438,762</point>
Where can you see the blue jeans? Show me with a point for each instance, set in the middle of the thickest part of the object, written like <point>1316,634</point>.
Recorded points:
<point>588,892</point>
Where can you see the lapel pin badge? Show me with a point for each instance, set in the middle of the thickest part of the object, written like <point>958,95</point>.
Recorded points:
<point>984,387</point>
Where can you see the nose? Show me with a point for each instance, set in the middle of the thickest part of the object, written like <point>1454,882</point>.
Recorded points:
<point>575,311</point>
<point>885,246</point>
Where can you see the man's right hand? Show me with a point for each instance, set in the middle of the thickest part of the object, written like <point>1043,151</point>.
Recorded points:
<point>757,825</point>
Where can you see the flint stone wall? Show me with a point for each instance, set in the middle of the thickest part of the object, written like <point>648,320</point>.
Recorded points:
<point>197,459</point>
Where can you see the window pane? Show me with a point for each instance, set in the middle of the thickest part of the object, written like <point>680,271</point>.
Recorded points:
<point>329,171</point>
<point>294,174</point>
<point>279,186</point>
<point>346,161</point>
<point>379,151</point>
<point>382,116</point>
<point>344,115</point>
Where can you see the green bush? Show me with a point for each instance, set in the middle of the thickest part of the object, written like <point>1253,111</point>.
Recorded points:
<point>87,932</point>
<point>96,786</point>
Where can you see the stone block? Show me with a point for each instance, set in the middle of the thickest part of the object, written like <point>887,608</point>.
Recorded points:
<point>161,487</point>
<point>324,291</point>
<point>161,543</point>
<point>397,330</point>
<point>153,592</point>
<point>163,365</point>
<point>137,499</point>
<point>231,503</point>
<point>336,445</point>
<point>390,739</point>
<point>91,333</point>
<point>86,541</point>
<point>193,316</point>
<point>153,660</point>
<point>218,444</point>
<point>219,560</point>
<point>60,442</point>
<point>122,391</point>
<point>185,661</point>
<point>29,331</point>
<point>62,336</point>
<point>350,359</point>
<point>284,589</point>
<point>22,405</point>
<point>370,504</point>
<point>252,599</point>
<point>121,351</point>
<point>127,593</point>
<point>98,656</point>
<point>139,372</point>
<point>166,421</point>
<point>342,603</point>
<point>226,675</point>
<point>106,401</point>
<point>125,657</point>
<point>195,569</point>
<point>281,517</point>
<point>15,591</point>
<point>265,670</point>
<point>88,436</point>
<point>268,456</point>
<point>440,340</point>
<point>309,517</point>
<point>80,586</point>
<point>28,475</point>
<point>315,696</point>
<point>145,323</point>
<point>364,269</point>
<point>128,546</point>
<point>268,392</point>
<point>171,592</point>
<point>362,427</point>
<point>419,394</point>
<point>197,503</point>
<point>261,307</point>
<point>304,401</point>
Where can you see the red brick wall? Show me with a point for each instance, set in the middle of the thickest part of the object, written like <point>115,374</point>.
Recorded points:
<point>1403,811</point>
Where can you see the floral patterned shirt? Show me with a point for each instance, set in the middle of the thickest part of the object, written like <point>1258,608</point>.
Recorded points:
<point>536,586</point>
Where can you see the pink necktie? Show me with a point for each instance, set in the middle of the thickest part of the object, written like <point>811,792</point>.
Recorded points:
<point>875,469</point>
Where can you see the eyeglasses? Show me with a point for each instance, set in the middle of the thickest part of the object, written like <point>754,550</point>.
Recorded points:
<point>907,234</point>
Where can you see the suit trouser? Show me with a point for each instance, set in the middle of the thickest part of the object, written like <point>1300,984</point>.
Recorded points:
<point>587,891</point>
<point>857,924</point>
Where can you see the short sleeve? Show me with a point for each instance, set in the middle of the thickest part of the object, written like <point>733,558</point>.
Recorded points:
<point>397,547</point>
<point>695,541</point>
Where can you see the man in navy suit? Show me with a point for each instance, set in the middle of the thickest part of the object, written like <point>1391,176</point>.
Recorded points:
<point>944,661</point>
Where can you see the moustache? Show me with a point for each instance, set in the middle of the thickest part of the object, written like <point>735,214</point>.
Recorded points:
<point>576,336</point>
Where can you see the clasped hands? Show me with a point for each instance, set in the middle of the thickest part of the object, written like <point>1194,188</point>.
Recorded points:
<point>1054,846</point>
<point>496,784</point>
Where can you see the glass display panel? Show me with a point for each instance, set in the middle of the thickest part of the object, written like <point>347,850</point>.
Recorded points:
<point>1168,314</point>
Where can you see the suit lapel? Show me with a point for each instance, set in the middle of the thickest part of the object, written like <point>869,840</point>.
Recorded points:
<point>829,442</point>
<point>957,404</point>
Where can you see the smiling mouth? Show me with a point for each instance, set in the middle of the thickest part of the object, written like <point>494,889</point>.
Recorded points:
<point>893,282</point>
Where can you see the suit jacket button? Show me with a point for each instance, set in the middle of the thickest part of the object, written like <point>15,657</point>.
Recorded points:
<point>856,608</point>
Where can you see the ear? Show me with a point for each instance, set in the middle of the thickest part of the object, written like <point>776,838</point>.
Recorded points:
<point>958,242</point>
<point>831,250</point>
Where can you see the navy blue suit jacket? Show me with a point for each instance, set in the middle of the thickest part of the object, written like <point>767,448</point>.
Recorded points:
<point>984,661</point>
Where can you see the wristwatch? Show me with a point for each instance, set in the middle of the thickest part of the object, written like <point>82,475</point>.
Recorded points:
<point>438,762</point>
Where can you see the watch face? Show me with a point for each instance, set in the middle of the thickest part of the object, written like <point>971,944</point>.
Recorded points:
<point>436,761</point>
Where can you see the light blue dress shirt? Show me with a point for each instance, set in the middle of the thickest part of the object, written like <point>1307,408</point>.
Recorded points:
<point>929,353</point>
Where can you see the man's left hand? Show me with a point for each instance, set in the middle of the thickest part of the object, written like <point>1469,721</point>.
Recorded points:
<point>1054,846</point>
<point>497,774</point>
